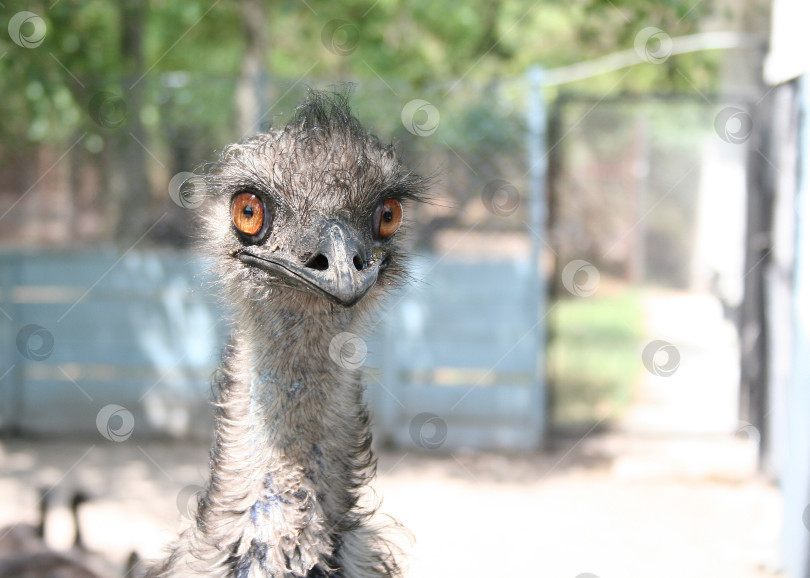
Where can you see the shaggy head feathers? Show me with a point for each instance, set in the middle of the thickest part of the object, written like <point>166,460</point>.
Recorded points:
<point>322,165</point>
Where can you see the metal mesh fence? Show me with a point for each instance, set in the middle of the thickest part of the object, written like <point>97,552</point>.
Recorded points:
<point>110,181</point>
<point>639,190</point>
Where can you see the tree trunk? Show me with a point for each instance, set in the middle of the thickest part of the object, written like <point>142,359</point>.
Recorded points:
<point>130,185</point>
<point>249,101</point>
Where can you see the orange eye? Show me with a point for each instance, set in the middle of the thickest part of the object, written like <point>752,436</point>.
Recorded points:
<point>247,212</point>
<point>389,218</point>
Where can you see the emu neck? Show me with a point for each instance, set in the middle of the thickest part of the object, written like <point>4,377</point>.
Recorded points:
<point>291,451</point>
<point>292,417</point>
<point>296,387</point>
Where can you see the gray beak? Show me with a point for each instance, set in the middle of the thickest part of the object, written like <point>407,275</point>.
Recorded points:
<point>336,269</point>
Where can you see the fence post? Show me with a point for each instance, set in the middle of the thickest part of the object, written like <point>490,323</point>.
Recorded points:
<point>538,167</point>
<point>390,420</point>
<point>795,479</point>
<point>9,383</point>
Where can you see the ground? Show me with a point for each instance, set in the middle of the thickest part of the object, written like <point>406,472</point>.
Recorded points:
<point>667,491</point>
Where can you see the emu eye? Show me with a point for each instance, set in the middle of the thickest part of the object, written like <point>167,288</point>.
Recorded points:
<point>389,218</point>
<point>248,214</point>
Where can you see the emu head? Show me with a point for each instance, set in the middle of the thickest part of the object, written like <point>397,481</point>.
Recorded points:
<point>310,215</point>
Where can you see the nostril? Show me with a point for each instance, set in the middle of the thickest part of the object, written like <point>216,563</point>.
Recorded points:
<point>319,262</point>
<point>358,262</point>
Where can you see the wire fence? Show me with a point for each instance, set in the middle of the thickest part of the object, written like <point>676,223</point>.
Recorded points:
<point>113,179</point>
<point>635,189</point>
<point>612,159</point>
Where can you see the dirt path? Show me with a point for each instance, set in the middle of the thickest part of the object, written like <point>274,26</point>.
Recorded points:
<point>670,493</point>
<point>610,506</point>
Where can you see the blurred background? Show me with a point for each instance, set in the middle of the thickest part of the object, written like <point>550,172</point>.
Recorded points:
<point>600,369</point>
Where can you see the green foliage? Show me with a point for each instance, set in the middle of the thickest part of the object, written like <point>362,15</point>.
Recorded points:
<point>170,71</point>
<point>419,44</point>
<point>594,356</point>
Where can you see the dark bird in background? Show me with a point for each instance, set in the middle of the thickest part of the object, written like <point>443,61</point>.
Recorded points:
<point>304,224</point>
<point>24,553</point>
<point>21,539</point>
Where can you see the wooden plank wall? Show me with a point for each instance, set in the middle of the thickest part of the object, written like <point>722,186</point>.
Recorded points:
<point>80,332</point>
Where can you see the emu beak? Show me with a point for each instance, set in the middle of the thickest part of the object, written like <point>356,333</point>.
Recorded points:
<point>336,269</point>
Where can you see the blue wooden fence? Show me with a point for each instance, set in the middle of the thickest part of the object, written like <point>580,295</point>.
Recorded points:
<point>81,333</point>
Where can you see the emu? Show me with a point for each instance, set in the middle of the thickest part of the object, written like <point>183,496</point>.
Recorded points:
<point>304,225</point>
<point>25,554</point>
<point>21,539</point>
